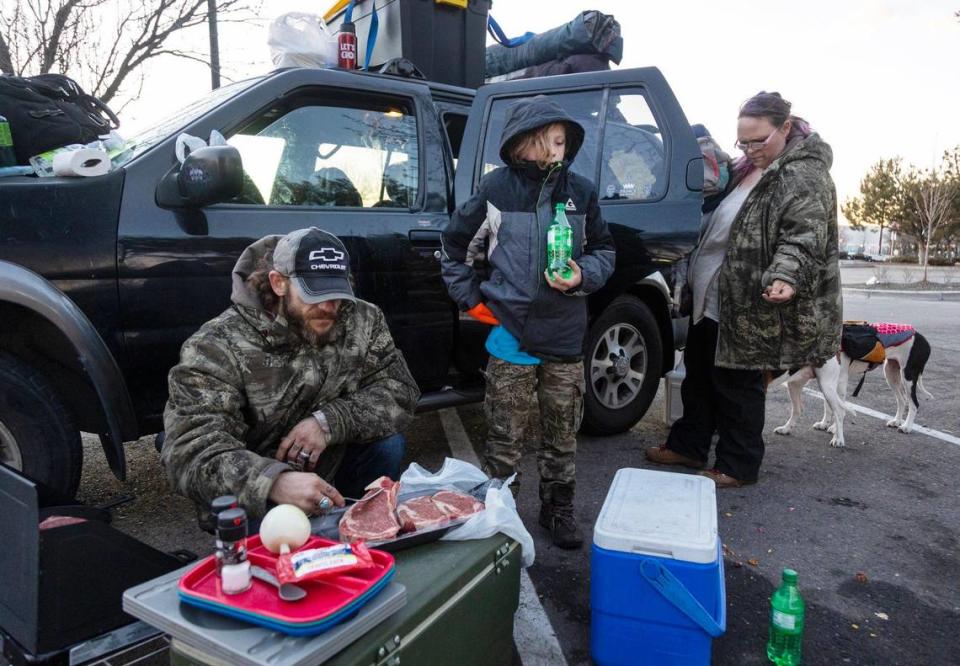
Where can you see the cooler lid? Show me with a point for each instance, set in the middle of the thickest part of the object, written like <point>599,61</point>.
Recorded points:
<point>664,514</point>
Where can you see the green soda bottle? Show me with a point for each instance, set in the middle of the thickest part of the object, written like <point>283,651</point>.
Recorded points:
<point>7,156</point>
<point>559,244</point>
<point>786,622</point>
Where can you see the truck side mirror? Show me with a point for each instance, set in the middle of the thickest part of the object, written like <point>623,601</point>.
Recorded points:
<point>209,175</point>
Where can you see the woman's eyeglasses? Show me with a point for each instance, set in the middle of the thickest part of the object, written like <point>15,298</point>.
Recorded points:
<point>747,146</point>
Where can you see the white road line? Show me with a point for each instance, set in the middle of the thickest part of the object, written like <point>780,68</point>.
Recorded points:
<point>533,634</point>
<point>886,417</point>
<point>457,437</point>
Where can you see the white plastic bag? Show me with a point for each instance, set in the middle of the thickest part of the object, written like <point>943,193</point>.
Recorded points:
<point>187,143</point>
<point>500,513</point>
<point>216,139</point>
<point>298,39</point>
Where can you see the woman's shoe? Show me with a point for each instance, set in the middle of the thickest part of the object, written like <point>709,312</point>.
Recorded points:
<point>664,456</point>
<point>724,480</point>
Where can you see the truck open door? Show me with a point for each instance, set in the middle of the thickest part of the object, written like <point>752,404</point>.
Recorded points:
<point>641,153</point>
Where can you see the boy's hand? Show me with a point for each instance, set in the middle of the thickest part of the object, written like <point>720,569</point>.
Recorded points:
<point>572,282</point>
<point>481,312</point>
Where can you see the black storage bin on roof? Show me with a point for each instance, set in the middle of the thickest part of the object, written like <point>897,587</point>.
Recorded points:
<point>445,41</point>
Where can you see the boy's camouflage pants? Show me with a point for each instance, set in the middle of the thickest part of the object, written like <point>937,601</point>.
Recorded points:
<point>509,398</point>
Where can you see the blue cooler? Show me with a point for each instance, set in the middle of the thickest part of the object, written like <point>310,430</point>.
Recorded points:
<point>656,575</point>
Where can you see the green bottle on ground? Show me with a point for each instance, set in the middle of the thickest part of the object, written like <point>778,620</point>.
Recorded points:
<point>786,622</point>
<point>559,244</point>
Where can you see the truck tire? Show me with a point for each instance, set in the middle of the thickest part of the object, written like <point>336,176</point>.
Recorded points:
<point>37,431</point>
<point>622,364</point>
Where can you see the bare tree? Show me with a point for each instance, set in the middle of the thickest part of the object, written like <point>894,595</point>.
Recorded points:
<point>933,197</point>
<point>880,199</point>
<point>101,43</point>
<point>951,174</point>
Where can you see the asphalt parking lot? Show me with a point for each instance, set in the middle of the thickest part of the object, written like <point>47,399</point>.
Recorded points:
<point>885,507</point>
<point>873,529</point>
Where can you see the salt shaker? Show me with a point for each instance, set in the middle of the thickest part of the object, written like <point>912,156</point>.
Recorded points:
<point>218,506</point>
<point>222,503</point>
<point>232,551</point>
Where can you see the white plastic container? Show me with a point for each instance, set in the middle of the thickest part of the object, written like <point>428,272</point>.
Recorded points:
<point>672,404</point>
<point>656,554</point>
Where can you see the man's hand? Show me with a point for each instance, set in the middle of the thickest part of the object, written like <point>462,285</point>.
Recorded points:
<point>303,489</point>
<point>303,444</point>
<point>779,292</point>
<point>560,284</point>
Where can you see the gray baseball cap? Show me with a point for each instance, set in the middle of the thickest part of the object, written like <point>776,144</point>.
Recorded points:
<point>317,263</point>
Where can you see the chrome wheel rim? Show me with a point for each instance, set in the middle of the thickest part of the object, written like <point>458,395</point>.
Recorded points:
<point>618,366</point>
<point>9,449</point>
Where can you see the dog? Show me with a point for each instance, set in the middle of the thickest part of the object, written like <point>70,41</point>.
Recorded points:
<point>904,353</point>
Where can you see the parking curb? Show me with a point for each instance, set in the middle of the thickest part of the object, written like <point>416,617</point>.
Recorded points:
<point>917,294</point>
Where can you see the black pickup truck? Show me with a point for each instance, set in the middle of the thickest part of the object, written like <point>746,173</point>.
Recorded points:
<point>102,279</point>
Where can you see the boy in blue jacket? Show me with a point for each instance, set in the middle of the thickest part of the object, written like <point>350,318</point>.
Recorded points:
<point>540,318</point>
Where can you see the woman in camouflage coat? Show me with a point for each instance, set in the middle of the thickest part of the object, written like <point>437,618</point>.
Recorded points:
<point>765,280</point>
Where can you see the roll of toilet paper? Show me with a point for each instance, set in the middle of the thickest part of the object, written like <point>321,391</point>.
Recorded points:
<point>82,162</point>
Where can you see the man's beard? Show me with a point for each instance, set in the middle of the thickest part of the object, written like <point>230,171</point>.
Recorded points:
<point>300,325</point>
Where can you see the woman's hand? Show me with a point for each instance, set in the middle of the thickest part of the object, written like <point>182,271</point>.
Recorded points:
<point>571,282</point>
<point>779,292</point>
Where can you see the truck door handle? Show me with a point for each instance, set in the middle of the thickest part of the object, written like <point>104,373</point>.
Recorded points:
<point>426,242</point>
<point>423,237</point>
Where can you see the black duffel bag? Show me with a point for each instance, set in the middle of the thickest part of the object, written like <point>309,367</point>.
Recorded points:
<point>50,111</point>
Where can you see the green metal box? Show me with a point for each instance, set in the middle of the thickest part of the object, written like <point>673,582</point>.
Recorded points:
<point>461,599</point>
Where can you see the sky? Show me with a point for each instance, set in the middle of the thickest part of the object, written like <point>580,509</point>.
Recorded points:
<point>877,79</point>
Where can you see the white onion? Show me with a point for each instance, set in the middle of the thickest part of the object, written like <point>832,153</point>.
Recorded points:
<point>284,528</point>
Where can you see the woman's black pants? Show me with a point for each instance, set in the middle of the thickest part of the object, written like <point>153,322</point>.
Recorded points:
<point>722,400</point>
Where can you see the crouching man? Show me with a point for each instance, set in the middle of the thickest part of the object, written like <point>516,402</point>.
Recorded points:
<point>295,394</point>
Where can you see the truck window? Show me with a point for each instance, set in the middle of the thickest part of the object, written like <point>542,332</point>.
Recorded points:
<point>633,164</point>
<point>583,106</point>
<point>331,155</point>
<point>455,124</point>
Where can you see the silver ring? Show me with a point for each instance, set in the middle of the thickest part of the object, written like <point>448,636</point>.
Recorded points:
<point>303,455</point>
<point>324,503</point>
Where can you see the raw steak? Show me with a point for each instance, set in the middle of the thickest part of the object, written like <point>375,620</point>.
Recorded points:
<point>60,521</point>
<point>374,517</point>
<point>420,513</point>
<point>457,505</point>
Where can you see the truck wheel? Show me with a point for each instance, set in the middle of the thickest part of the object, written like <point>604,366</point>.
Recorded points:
<point>37,432</point>
<point>624,355</point>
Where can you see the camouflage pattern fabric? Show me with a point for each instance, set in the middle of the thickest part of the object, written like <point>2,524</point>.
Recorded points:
<point>786,230</point>
<point>559,389</point>
<point>244,380</point>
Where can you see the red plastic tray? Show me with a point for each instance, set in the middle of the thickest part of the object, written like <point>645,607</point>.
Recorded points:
<point>325,598</point>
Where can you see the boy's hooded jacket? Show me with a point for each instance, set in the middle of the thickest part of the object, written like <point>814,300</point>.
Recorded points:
<point>506,222</point>
<point>245,379</point>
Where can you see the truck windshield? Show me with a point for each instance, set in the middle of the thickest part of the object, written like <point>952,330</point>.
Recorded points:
<point>148,138</point>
